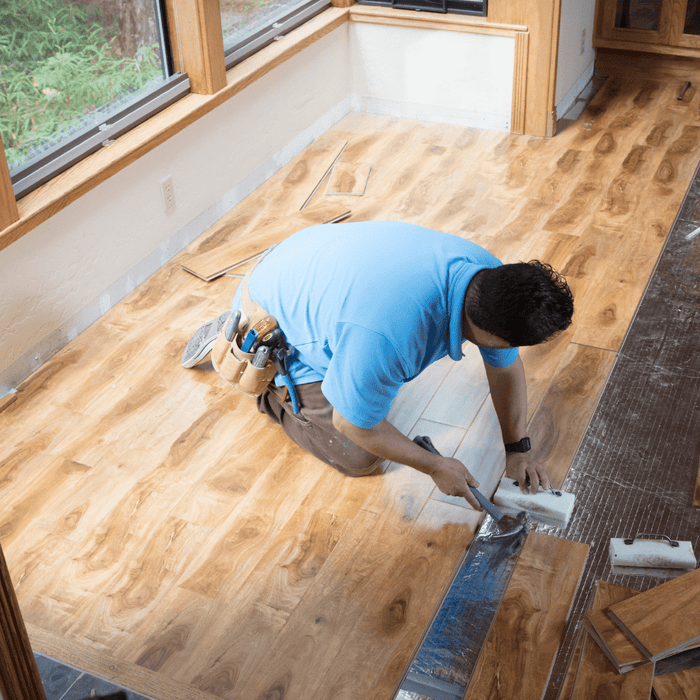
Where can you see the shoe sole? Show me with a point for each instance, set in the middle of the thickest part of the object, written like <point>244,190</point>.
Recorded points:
<point>203,340</point>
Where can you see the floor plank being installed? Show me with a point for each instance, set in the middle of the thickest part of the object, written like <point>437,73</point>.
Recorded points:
<point>162,533</point>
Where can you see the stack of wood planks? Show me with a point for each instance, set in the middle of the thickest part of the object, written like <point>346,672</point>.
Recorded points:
<point>627,632</point>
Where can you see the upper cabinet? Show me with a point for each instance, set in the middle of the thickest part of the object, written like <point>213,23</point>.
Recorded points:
<point>660,26</point>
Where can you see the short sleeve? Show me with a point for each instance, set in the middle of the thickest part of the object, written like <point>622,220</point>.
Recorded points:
<point>364,375</point>
<point>499,358</point>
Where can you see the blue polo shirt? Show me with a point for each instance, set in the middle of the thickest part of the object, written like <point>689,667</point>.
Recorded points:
<point>368,306</point>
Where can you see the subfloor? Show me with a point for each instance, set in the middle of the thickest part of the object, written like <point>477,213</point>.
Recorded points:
<point>162,534</point>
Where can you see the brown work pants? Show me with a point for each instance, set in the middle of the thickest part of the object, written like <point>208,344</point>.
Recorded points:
<point>312,429</point>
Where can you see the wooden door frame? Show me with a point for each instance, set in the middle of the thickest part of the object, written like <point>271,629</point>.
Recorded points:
<point>19,675</point>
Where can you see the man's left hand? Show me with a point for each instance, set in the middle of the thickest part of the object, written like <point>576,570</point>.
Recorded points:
<point>521,465</point>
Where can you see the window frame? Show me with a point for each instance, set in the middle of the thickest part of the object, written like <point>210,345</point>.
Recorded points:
<point>42,168</point>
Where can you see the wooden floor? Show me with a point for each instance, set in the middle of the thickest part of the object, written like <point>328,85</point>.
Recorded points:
<point>162,533</point>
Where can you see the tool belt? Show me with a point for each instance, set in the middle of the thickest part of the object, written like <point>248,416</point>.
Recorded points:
<point>238,366</point>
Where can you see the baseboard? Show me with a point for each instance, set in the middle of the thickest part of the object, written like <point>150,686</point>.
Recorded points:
<point>430,113</point>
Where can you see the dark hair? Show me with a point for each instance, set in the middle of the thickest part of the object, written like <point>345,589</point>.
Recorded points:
<point>523,303</point>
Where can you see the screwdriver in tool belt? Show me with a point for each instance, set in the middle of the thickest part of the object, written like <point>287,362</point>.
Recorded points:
<point>261,356</point>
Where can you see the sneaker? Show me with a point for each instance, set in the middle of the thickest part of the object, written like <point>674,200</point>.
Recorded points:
<point>203,340</point>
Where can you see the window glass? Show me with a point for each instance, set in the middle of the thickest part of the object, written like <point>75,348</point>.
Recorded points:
<point>66,65</point>
<point>692,17</point>
<point>242,19</point>
<point>638,14</point>
<point>464,7</point>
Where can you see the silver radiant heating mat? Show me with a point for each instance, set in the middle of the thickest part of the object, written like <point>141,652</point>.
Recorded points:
<point>634,472</point>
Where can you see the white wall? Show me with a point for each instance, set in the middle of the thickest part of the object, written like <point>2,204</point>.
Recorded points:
<point>63,275</point>
<point>438,76</point>
<point>576,57</point>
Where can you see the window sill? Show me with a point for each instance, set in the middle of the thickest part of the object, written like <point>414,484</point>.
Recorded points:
<point>49,199</point>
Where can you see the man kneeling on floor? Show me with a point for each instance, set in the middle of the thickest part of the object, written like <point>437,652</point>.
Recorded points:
<point>366,307</point>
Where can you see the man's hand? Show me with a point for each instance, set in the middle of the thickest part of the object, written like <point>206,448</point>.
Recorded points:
<point>384,440</point>
<point>521,465</point>
<point>454,479</point>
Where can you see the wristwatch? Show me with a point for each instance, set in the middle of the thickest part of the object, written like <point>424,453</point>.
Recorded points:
<point>520,446</point>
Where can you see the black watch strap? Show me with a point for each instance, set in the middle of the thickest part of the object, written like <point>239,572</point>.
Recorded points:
<point>520,446</point>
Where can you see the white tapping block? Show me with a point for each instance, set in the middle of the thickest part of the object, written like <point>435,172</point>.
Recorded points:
<point>652,554</point>
<point>544,503</point>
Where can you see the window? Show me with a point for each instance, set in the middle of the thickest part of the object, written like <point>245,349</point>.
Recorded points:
<point>249,25</point>
<point>76,74</point>
<point>463,7</point>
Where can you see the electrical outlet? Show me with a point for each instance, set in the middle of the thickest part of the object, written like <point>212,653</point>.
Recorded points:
<point>583,42</point>
<point>166,190</point>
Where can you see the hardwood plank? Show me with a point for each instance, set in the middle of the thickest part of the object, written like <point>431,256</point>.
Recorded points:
<point>597,676</point>
<point>528,628</point>
<point>348,179</point>
<point>569,401</point>
<point>682,685</point>
<point>218,261</point>
<point>622,652</point>
<point>664,619</point>
<point>461,393</point>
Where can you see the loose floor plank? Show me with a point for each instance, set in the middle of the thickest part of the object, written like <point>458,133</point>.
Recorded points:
<point>597,677</point>
<point>622,652</point>
<point>529,626</point>
<point>348,179</point>
<point>665,619</point>
<point>247,244</point>
<point>682,685</point>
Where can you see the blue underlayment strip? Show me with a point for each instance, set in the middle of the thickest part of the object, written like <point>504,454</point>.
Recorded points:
<point>447,657</point>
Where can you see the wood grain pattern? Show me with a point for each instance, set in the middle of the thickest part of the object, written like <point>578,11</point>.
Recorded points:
<point>597,677</point>
<point>8,204</point>
<point>247,242</point>
<point>622,652</point>
<point>181,542</point>
<point>664,619</point>
<point>348,179</point>
<point>19,676</point>
<point>682,685</point>
<point>528,628</point>
<point>200,43</point>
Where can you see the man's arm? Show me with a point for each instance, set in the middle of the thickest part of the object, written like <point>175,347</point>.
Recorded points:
<point>384,440</point>
<point>509,396</point>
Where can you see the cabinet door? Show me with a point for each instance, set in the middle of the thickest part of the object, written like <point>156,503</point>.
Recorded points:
<point>686,25</point>
<point>640,21</point>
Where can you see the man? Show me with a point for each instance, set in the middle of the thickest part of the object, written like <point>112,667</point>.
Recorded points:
<point>367,306</point>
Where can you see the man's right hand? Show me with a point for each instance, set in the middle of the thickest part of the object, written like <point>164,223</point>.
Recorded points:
<point>454,479</point>
<point>384,440</point>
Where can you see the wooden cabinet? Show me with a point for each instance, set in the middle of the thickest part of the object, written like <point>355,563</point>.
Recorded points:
<point>658,26</point>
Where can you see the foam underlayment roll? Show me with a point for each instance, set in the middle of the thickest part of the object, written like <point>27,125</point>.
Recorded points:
<point>654,554</point>
<point>543,503</point>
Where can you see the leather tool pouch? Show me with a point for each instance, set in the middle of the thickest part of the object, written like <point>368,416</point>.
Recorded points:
<point>236,366</point>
